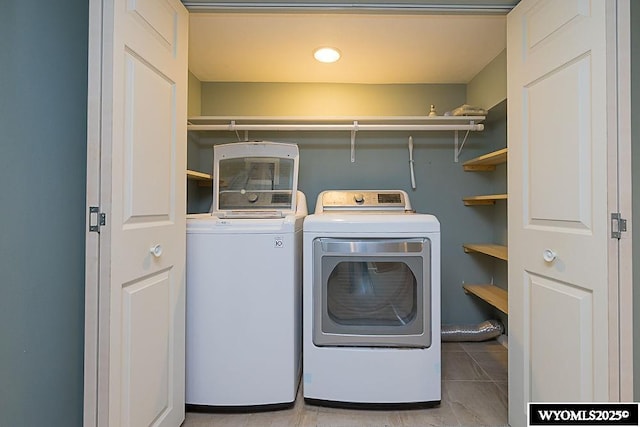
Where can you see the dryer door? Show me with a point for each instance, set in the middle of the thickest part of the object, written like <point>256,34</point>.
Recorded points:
<point>372,292</point>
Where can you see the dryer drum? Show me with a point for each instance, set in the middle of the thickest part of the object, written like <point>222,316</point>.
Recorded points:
<point>372,293</point>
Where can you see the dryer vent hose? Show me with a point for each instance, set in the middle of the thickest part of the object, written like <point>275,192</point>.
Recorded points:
<point>481,332</point>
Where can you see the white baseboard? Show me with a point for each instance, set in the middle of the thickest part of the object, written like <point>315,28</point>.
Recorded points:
<point>504,340</point>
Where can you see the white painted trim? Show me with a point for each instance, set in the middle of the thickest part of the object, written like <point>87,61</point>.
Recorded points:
<point>96,370</point>
<point>612,201</point>
<point>619,200</point>
<point>625,293</point>
<point>328,7</point>
<point>105,172</point>
<point>92,240</point>
<point>504,340</point>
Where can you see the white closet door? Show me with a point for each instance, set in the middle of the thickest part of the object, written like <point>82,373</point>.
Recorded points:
<point>561,102</point>
<point>141,291</point>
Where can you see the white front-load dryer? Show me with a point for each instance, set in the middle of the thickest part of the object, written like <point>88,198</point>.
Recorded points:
<point>371,301</point>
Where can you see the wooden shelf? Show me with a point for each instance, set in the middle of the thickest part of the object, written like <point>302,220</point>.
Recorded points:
<point>492,294</point>
<point>486,162</point>
<point>483,200</point>
<point>204,179</point>
<point>199,176</point>
<point>496,251</point>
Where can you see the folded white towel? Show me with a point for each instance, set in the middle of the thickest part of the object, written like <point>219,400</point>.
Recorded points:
<point>468,110</point>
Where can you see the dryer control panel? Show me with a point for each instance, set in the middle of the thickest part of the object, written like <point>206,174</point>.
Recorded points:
<point>363,200</point>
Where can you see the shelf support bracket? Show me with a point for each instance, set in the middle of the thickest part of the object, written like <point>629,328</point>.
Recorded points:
<point>353,141</point>
<point>457,149</point>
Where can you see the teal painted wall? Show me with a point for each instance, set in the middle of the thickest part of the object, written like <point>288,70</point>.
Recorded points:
<point>43,91</point>
<point>489,87</point>
<point>381,163</point>
<point>194,96</point>
<point>328,99</point>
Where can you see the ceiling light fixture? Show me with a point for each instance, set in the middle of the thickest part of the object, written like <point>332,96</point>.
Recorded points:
<point>326,54</point>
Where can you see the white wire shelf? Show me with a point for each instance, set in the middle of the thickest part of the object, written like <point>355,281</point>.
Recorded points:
<point>340,123</point>
<point>336,123</point>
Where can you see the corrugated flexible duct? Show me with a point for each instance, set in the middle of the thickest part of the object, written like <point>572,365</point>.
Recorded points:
<point>481,332</point>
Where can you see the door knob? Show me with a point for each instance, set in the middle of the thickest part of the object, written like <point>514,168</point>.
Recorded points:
<point>548,255</point>
<point>156,250</point>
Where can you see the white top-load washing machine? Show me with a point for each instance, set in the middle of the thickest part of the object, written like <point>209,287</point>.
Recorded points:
<point>371,301</point>
<point>244,279</point>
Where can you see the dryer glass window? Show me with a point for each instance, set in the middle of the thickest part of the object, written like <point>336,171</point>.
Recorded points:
<point>372,293</point>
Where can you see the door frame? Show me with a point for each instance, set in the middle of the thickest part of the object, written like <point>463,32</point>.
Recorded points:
<point>620,200</point>
<point>92,251</point>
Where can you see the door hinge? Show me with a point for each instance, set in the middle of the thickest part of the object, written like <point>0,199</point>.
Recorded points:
<point>618,225</point>
<point>96,219</point>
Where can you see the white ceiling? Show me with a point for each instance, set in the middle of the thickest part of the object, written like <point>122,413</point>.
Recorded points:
<point>376,48</point>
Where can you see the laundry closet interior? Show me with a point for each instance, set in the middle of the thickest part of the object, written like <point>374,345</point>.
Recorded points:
<point>381,158</point>
<point>460,176</point>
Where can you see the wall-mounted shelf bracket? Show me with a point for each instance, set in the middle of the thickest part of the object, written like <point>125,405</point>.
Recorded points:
<point>457,149</point>
<point>353,141</point>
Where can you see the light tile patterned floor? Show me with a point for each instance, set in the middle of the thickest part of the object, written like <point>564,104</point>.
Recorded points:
<point>474,393</point>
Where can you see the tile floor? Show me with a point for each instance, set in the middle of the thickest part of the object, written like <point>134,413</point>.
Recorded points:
<point>474,393</point>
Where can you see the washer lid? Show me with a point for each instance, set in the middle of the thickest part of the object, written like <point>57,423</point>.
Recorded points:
<point>255,179</point>
<point>210,224</point>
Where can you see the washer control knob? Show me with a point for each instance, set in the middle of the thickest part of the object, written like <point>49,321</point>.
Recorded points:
<point>253,197</point>
<point>359,198</point>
